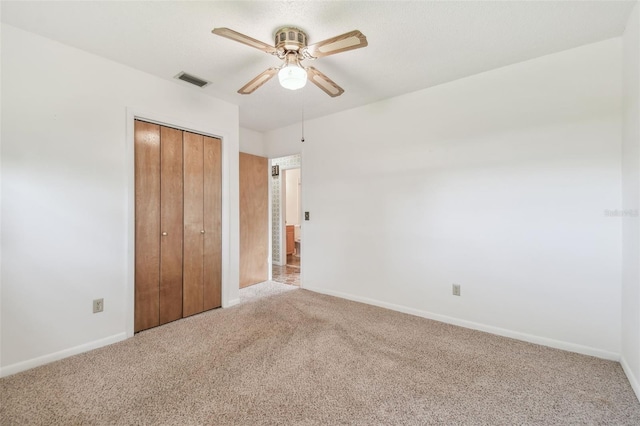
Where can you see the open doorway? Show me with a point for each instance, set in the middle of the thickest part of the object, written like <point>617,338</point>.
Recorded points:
<point>293,216</point>
<point>287,243</point>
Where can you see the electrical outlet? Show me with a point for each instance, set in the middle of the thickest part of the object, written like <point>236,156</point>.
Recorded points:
<point>98,305</point>
<point>456,289</point>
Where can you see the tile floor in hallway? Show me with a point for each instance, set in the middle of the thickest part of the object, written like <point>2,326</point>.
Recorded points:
<point>287,274</point>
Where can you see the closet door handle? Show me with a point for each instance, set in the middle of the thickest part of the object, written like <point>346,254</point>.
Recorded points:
<point>202,232</point>
<point>164,234</point>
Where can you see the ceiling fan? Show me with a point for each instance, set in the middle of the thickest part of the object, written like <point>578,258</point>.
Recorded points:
<point>291,46</point>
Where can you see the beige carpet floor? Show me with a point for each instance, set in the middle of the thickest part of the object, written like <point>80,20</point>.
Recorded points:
<point>290,356</point>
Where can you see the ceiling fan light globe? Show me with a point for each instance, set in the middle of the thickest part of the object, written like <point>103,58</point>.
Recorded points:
<point>292,77</point>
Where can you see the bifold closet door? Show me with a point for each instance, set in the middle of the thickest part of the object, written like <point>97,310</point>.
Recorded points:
<point>212,275</point>
<point>193,296</point>
<point>158,226</point>
<point>178,244</point>
<point>170,224</point>
<point>147,225</point>
<point>202,217</point>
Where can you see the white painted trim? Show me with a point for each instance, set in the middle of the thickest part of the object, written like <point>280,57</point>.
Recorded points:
<point>230,303</point>
<point>302,225</point>
<point>633,380</point>
<point>222,134</point>
<point>269,222</point>
<point>282,226</point>
<point>129,313</point>
<point>56,356</point>
<point>557,344</point>
<point>271,233</point>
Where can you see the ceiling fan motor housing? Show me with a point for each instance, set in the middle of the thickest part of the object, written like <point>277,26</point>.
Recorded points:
<point>290,39</point>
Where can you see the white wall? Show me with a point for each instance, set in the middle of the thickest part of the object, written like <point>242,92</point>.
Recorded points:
<point>292,201</point>
<point>631,203</point>
<point>497,182</point>
<point>67,180</point>
<point>252,142</point>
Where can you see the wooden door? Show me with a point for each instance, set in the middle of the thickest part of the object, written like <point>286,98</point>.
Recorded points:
<point>212,272</point>
<point>147,225</point>
<point>170,224</point>
<point>192,284</point>
<point>178,265</point>
<point>254,217</point>
<point>202,279</point>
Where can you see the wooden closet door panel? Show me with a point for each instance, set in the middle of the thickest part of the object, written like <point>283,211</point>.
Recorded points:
<point>147,224</point>
<point>212,279</point>
<point>254,215</point>
<point>192,301</point>
<point>171,224</point>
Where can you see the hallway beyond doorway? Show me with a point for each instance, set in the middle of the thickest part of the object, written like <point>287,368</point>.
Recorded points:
<point>286,274</point>
<point>293,260</point>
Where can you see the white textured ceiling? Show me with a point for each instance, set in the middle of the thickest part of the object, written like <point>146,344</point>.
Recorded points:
<point>412,45</point>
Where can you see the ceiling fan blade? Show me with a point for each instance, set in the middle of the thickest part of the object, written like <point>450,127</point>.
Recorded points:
<point>258,81</point>
<point>324,82</point>
<point>348,41</point>
<point>244,39</point>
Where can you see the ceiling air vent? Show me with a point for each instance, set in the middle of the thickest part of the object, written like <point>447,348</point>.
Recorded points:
<point>191,79</point>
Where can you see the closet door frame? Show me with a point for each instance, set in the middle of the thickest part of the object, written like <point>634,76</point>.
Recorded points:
<point>229,285</point>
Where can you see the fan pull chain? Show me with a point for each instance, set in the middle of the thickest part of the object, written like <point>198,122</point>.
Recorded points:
<point>302,138</point>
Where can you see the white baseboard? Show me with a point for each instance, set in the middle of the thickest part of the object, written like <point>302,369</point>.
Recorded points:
<point>557,344</point>
<point>231,303</point>
<point>46,359</point>
<point>633,380</point>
